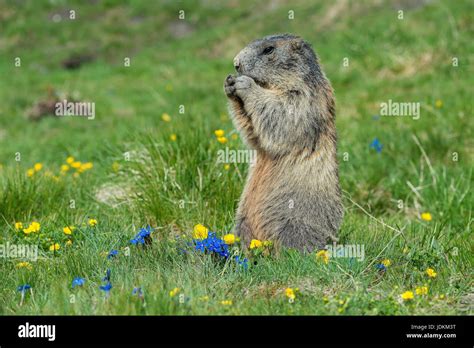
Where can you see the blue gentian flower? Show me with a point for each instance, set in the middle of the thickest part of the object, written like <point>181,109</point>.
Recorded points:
<point>212,245</point>
<point>78,281</point>
<point>142,235</point>
<point>106,287</point>
<point>137,291</point>
<point>107,276</point>
<point>24,288</point>
<point>376,145</point>
<point>244,263</point>
<point>112,254</point>
<point>381,267</point>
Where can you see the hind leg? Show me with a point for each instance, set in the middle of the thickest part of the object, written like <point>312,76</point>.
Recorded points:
<point>244,232</point>
<point>302,237</point>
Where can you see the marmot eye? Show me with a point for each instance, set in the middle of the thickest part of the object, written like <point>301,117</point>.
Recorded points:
<point>268,50</point>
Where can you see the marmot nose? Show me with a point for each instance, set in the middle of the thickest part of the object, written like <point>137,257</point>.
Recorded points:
<point>237,64</point>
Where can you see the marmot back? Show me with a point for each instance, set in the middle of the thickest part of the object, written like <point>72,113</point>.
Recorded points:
<point>283,105</point>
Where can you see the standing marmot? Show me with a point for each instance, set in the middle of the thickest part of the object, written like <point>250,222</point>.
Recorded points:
<point>283,105</point>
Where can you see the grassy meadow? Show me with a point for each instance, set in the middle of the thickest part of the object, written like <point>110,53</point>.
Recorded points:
<point>149,158</point>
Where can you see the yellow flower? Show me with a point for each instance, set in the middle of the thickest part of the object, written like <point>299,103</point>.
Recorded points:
<point>323,255</point>
<point>18,226</point>
<point>92,222</point>
<point>229,238</point>
<point>165,117</point>
<point>30,172</point>
<point>386,262</point>
<point>86,166</point>
<point>64,168</point>
<point>234,136</point>
<point>173,137</point>
<point>222,140</point>
<point>423,290</point>
<point>54,247</point>
<point>200,232</point>
<point>174,292</point>
<point>290,293</point>
<point>226,302</point>
<point>24,265</point>
<point>439,103</point>
<point>37,167</point>
<point>68,230</point>
<point>70,160</point>
<point>33,227</point>
<point>431,273</point>
<point>255,243</point>
<point>407,295</point>
<point>219,133</point>
<point>426,216</point>
<point>115,167</point>
<point>69,242</point>
<point>226,166</point>
<point>76,164</point>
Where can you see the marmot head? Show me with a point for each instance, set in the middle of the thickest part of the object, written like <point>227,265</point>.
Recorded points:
<point>281,61</point>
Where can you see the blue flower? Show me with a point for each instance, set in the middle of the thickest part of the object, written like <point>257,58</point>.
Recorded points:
<point>78,281</point>
<point>212,244</point>
<point>137,291</point>
<point>142,235</point>
<point>107,276</point>
<point>244,263</point>
<point>24,288</point>
<point>106,287</point>
<point>112,253</point>
<point>377,145</point>
<point>381,267</point>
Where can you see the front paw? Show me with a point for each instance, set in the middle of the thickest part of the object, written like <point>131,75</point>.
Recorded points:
<point>229,86</point>
<point>238,86</point>
<point>243,86</point>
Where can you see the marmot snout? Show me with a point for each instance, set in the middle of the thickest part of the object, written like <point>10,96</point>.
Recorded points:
<point>283,105</point>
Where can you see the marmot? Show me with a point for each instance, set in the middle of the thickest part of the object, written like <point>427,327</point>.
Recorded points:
<point>282,104</point>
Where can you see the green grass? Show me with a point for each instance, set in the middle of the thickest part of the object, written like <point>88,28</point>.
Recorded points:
<point>174,185</point>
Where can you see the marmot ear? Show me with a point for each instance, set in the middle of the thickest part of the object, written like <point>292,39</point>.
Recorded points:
<point>297,44</point>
